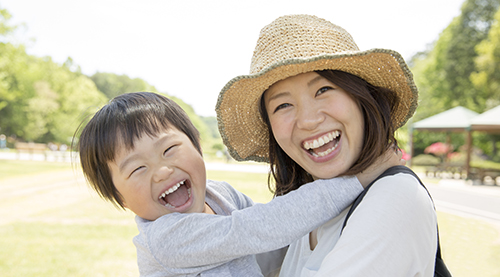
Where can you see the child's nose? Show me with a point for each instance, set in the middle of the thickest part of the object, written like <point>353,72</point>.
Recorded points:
<point>162,173</point>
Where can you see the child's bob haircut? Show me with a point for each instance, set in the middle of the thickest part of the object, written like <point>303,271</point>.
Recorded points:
<point>120,123</point>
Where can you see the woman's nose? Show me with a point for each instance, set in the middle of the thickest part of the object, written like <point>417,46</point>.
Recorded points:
<point>309,117</point>
<point>162,172</point>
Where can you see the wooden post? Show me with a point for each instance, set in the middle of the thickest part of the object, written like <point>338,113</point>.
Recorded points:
<point>469,151</point>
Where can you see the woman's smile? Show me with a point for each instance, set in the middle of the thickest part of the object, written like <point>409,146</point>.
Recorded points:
<point>324,145</point>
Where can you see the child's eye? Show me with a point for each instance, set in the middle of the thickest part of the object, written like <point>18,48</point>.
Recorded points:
<point>282,106</point>
<point>322,90</point>
<point>168,149</point>
<point>135,170</point>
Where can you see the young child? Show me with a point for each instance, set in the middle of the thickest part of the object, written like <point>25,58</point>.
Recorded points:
<point>141,152</point>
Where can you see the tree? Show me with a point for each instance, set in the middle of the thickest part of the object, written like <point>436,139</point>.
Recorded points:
<point>447,73</point>
<point>41,100</point>
<point>443,73</point>
<point>487,79</point>
<point>113,85</point>
<point>470,29</point>
<point>5,26</point>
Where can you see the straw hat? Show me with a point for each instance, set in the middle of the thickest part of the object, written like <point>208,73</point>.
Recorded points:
<point>296,44</point>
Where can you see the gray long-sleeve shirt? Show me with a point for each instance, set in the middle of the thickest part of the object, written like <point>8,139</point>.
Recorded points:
<point>225,244</point>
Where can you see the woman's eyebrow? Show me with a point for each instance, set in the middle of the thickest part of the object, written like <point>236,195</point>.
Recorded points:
<point>315,80</point>
<point>277,95</point>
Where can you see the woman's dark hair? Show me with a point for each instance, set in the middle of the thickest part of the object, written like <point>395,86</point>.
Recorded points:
<point>376,105</point>
<point>120,123</point>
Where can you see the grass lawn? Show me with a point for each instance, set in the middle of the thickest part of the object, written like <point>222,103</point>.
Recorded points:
<point>51,224</point>
<point>13,168</point>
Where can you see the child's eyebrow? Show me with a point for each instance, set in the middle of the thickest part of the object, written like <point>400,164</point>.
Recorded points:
<point>124,164</point>
<point>158,143</point>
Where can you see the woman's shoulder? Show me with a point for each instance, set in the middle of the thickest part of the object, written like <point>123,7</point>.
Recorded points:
<point>400,182</point>
<point>400,190</point>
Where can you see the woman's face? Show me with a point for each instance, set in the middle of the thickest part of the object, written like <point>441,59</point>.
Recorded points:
<point>316,123</point>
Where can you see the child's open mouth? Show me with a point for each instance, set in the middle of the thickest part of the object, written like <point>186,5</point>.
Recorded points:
<point>177,195</point>
<point>324,145</point>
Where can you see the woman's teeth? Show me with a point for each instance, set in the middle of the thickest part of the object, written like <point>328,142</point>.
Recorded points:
<point>172,189</point>
<point>316,143</point>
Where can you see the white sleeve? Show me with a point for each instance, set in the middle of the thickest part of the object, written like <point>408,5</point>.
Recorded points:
<point>393,232</point>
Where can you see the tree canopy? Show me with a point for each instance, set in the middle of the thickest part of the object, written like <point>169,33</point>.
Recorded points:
<point>42,101</point>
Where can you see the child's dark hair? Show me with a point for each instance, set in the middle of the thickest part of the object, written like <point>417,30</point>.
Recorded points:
<point>120,123</point>
<point>376,105</point>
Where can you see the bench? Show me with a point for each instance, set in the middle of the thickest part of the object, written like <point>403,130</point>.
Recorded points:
<point>484,175</point>
<point>31,148</point>
<point>445,171</point>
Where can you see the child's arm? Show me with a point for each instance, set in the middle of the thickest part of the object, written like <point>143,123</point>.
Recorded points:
<point>202,240</point>
<point>192,240</point>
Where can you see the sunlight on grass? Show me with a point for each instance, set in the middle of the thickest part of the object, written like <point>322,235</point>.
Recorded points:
<point>12,168</point>
<point>253,185</point>
<point>470,247</point>
<point>52,224</point>
<point>43,249</point>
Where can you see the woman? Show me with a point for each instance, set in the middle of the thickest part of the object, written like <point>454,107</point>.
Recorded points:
<point>314,106</point>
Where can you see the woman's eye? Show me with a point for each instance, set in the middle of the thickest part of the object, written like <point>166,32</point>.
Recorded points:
<point>282,106</point>
<point>322,90</point>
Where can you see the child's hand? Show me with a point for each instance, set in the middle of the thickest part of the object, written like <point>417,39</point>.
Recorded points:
<point>390,158</point>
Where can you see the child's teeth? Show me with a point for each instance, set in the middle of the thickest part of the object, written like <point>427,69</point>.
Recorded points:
<point>172,189</point>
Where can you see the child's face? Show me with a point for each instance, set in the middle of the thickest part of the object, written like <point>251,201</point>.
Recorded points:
<point>161,175</point>
<point>316,123</point>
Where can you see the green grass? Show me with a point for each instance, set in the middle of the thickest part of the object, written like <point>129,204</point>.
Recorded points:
<point>251,184</point>
<point>51,224</point>
<point>51,249</point>
<point>12,168</point>
<point>470,247</point>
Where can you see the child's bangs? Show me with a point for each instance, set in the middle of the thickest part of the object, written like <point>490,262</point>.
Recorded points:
<point>136,122</point>
<point>139,124</point>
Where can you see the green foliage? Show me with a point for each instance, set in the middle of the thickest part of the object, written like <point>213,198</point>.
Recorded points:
<point>487,79</point>
<point>485,164</point>
<point>5,26</point>
<point>113,85</point>
<point>207,140</point>
<point>44,101</point>
<point>41,100</point>
<point>425,160</point>
<point>211,123</point>
<point>443,72</point>
<point>461,69</point>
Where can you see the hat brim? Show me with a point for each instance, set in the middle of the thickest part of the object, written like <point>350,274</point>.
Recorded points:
<point>245,133</point>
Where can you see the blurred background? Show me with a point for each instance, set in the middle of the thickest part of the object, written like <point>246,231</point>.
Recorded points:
<point>60,61</point>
